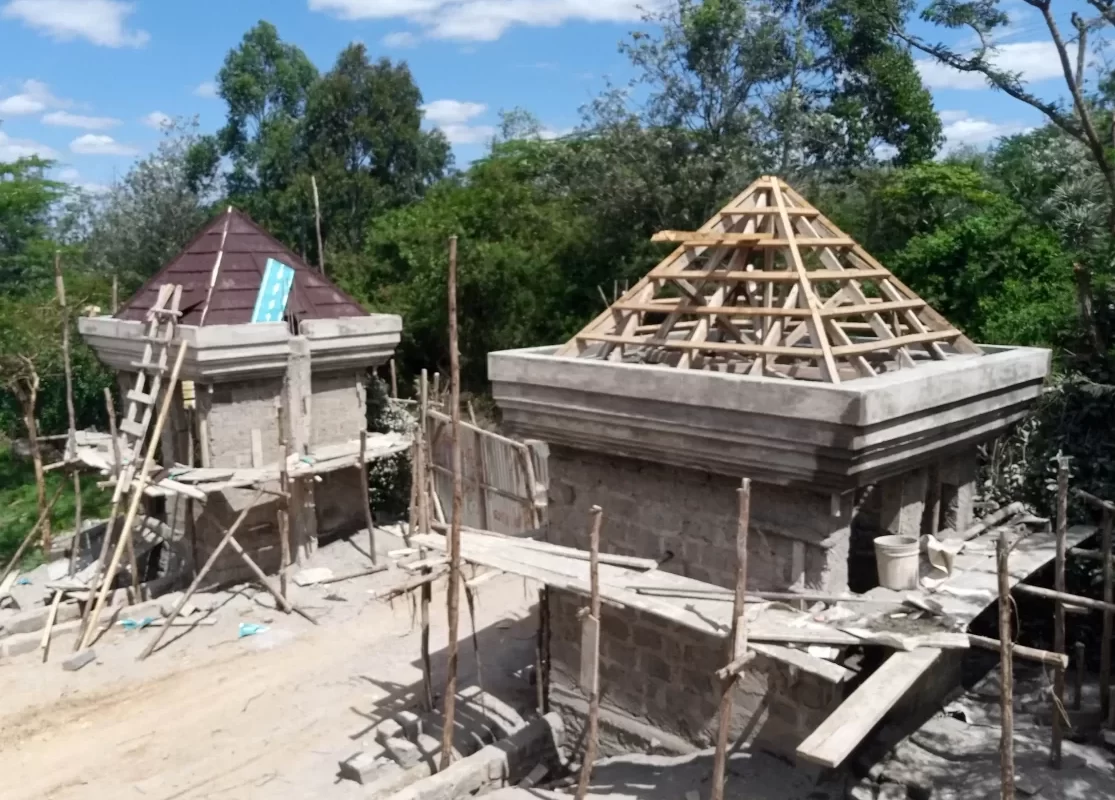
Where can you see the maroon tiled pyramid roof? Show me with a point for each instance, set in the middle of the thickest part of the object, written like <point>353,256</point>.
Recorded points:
<point>247,248</point>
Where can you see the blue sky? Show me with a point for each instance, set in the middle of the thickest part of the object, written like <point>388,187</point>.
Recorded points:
<point>86,81</point>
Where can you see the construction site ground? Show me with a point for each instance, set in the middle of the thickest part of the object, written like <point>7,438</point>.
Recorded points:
<point>212,714</point>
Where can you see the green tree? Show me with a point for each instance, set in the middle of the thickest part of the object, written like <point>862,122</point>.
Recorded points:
<point>149,215</point>
<point>26,200</point>
<point>365,144</point>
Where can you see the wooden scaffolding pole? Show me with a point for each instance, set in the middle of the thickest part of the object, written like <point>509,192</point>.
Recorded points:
<point>592,732</point>
<point>1006,671</point>
<point>283,507</point>
<point>737,640</point>
<point>60,289</point>
<point>368,519</point>
<point>317,227</point>
<point>1108,597</point>
<point>453,591</point>
<point>1059,610</point>
<point>136,489</point>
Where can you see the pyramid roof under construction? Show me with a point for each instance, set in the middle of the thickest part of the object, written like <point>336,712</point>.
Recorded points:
<point>243,248</point>
<point>770,286</point>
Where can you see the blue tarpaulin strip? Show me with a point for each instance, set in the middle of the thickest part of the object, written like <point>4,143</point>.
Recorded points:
<point>273,292</point>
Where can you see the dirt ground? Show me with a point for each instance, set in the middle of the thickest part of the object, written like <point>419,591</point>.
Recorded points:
<point>212,715</point>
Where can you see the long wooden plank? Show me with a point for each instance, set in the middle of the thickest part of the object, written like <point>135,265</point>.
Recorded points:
<point>699,238</point>
<point>888,344</point>
<point>858,715</point>
<point>718,347</point>
<point>818,335</point>
<point>780,275</point>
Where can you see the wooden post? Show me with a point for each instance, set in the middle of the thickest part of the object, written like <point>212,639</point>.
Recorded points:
<point>30,535</point>
<point>317,227</point>
<point>75,540</point>
<point>136,490</point>
<point>542,674</point>
<point>60,289</point>
<point>394,381</point>
<point>427,668</point>
<point>367,497</point>
<point>284,487</point>
<point>200,576</point>
<point>453,591</point>
<point>1006,671</point>
<point>52,615</point>
<point>737,641</point>
<point>1078,676</point>
<point>420,469</point>
<point>1108,597</point>
<point>1059,609</point>
<point>115,294</point>
<point>592,731</point>
<point>481,467</point>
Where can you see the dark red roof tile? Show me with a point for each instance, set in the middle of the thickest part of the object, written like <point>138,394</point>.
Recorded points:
<point>247,248</point>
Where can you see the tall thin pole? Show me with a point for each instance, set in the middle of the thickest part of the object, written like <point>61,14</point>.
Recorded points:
<point>1006,671</point>
<point>738,640</point>
<point>592,734</point>
<point>115,294</point>
<point>1059,609</point>
<point>368,520</point>
<point>1108,596</point>
<point>60,288</point>
<point>454,589</point>
<point>284,487</point>
<point>317,226</point>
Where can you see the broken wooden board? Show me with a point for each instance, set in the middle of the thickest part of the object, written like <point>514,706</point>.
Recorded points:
<point>835,739</point>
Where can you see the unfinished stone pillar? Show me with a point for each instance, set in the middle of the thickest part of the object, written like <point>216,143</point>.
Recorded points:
<point>299,394</point>
<point>958,491</point>
<point>902,502</point>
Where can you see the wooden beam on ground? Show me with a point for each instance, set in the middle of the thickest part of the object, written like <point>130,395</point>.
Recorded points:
<point>858,715</point>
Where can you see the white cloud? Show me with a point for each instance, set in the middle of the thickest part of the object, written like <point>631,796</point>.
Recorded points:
<point>453,118</point>
<point>157,120</point>
<point>961,129</point>
<point>12,149</point>
<point>102,22</point>
<point>206,89</point>
<point>34,98</point>
<point>554,133</point>
<point>400,39</point>
<point>485,20</point>
<point>1035,61</point>
<point>67,120</point>
<point>97,144</point>
<point>73,177</point>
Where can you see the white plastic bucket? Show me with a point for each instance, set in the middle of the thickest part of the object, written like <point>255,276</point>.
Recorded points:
<point>897,560</point>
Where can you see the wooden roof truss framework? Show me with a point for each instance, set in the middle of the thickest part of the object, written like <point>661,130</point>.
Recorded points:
<point>770,286</point>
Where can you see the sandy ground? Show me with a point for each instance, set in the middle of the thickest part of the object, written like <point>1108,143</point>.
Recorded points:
<point>212,715</point>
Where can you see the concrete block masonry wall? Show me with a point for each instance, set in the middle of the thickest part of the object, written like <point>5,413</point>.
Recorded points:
<point>650,510</point>
<point>660,674</point>
<point>258,535</point>
<point>233,410</point>
<point>339,408</point>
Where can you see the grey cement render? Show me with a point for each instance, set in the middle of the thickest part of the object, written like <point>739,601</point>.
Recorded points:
<point>829,437</point>
<point>234,352</point>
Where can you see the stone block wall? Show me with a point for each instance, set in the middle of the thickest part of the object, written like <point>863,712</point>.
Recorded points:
<point>258,534</point>
<point>796,540</point>
<point>338,408</point>
<point>661,674</point>
<point>232,410</point>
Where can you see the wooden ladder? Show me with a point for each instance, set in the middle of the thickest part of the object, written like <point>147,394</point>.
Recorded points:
<point>162,323</point>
